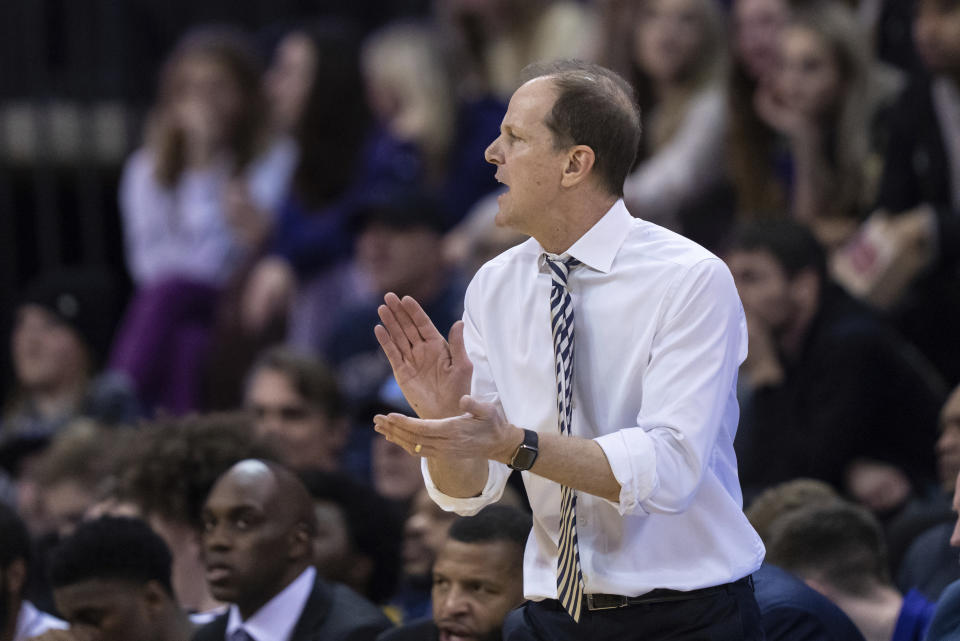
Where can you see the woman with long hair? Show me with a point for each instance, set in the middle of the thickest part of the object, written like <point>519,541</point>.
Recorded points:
<point>207,130</point>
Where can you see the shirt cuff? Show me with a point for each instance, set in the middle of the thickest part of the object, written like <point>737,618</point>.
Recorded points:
<point>497,474</point>
<point>633,460</point>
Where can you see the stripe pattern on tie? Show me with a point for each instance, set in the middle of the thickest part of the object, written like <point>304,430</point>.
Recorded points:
<point>569,574</point>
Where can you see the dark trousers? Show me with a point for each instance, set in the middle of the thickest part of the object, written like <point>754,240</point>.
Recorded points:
<point>728,614</point>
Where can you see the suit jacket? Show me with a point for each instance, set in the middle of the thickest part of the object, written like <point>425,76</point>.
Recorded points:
<point>946,619</point>
<point>422,630</point>
<point>792,611</point>
<point>333,612</point>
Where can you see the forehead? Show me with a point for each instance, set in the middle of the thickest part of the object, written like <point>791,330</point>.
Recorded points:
<point>247,484</point>
<point>493,560</point>
<point>94,593</point>
<point>531,103</point>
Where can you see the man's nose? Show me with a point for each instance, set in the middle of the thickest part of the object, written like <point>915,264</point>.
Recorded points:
<point>456,602</point>
<point>955,537</point>
<point>492,153</point>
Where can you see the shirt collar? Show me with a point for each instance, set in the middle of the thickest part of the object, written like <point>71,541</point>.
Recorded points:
<point>599,245</point>
<point>277,618</point>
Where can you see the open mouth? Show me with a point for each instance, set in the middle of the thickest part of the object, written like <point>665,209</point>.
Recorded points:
<point>218,573</point>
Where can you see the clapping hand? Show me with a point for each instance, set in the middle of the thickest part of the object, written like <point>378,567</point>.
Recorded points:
<point>433,374</point>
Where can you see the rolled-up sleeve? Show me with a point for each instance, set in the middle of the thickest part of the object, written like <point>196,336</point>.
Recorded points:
<point>497,474</point>
<point>688,387</point>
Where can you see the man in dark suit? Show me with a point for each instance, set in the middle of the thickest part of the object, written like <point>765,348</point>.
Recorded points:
<point>477,578</point>
<point>259,528</point>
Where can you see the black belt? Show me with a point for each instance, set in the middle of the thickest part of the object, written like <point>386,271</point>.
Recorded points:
<point>614,601</point>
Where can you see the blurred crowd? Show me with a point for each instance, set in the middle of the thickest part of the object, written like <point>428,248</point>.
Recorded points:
<point>287,179</point>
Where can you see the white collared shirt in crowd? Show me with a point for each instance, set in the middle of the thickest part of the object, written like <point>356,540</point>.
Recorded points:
<point>32,622</point>
<point>277,618</point>
<point>659,334</point>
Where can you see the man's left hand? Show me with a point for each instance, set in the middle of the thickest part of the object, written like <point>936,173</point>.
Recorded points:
<point>481,432</point>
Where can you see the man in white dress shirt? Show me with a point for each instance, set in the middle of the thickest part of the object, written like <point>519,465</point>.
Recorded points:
<point>660,545</point>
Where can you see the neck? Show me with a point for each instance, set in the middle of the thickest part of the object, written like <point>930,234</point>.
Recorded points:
<point>876,615</point>
<point>570,223</point>
<point>247,610</point>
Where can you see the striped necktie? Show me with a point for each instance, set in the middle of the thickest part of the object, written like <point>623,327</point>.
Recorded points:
<point>569,575</point>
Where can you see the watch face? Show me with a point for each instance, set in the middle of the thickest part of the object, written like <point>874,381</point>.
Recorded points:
<point>524,458</point>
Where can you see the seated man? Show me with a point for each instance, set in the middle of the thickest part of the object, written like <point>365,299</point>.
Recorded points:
<point>258,542</point>
<point>19,619</point>
<point>832,393</point>
<point>111,580</point>
<point>477,578</point>
<point>838,550</point>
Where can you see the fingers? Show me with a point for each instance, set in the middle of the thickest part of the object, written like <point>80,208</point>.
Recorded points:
<point>393,429</point>
<point>396,334</point>
<point>425,327</point>
<point>401,316</point>
<point>476,408</point>
<point>458,350</point>
<point>389,346</point>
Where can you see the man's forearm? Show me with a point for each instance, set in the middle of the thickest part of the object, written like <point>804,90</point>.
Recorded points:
<point>459,478</point>
<point>578,463</point>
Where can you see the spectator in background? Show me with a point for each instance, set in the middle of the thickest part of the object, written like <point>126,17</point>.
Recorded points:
<point>838,549</point>
<point>757,176</point>
<point>945,625</point>
<point>358,535</point>
<point>825,101</point>
<point>675,57</point>
<point>917,228</point>
<point>167,476</point>
<point>111,580</point>
<point>830,392</point>
<point>424,532</point>
<point>207,129</point>
<point>413,90</point>
<point>259,534</point>
<point>399,248</point>
<point>63,482</point>
<point>496,39</point>
<point>297,409</point>
<point>60,337</point>
<point>318,105</point>
<point>478,239</point>
<point>19,619</point>
<point>929,563</point>
<point>477,578</point>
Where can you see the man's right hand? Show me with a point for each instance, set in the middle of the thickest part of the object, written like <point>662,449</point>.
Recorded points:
<point>432,373</point>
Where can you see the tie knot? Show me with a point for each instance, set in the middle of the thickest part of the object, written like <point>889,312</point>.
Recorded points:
<point>240,635</point>
<point>560,267</point>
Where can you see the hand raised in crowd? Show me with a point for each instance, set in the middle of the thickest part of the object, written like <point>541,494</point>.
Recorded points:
<point>249,223</point>
<point>268,294</point>
<point>433,374</point>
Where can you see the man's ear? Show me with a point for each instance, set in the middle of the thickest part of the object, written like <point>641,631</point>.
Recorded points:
<point>301,543</point>
<point>155,598</point>
<point>580,160</point>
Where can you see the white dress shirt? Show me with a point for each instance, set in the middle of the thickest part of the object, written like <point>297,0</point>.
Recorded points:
<point>278,617</point>
<point>32,622</point>
<point>659,336</point>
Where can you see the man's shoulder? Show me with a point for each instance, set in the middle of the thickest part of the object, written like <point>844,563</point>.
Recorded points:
<point>347,615</point>
<point>650,242</point>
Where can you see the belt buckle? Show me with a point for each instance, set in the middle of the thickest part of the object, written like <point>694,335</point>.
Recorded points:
<point>606,601</point>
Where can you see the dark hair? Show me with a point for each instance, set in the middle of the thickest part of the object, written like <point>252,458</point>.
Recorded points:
<point>373,527</point>
<point>14,539</point>
<point>335,118</point>
<point>838,542</point>
<point>792,245</point>
<point>232,50</point>
<point>493,523</point>
<point>594,107</point>
<point>177,461</point>
<point>112,547</point>
<point>310,377</point>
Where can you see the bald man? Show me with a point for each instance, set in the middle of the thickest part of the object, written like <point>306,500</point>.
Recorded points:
<point>259,529</point>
